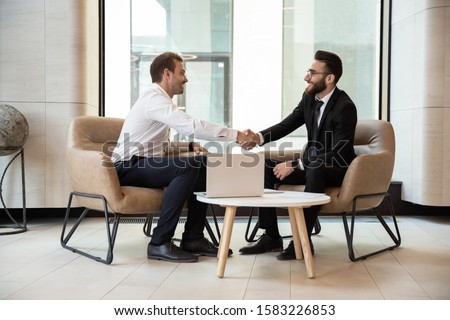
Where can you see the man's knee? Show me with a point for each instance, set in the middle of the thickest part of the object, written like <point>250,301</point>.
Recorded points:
<point>315,172</point>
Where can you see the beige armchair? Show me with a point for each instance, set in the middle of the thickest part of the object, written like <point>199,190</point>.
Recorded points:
<point>366,182</point>
<point>95,183</point>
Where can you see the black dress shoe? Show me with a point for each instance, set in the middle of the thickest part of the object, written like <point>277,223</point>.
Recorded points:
<point>202,247</point>
<point>169,252</point>
<point>289,252</point>
<point>264,244</point>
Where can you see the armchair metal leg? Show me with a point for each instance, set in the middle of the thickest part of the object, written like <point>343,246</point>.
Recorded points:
<point>110,234</point>
<point>251,237</point>
<point>147,228</point>
<point>317,228</point>
<point>210,231</point>
<point>349,231</point>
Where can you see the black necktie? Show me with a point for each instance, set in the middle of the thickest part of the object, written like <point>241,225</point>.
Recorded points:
<point>315,126</point>
<point>315,129</point>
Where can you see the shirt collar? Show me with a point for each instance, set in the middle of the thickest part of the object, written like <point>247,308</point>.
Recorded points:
<point>326,98</point>
<point>158,87</point>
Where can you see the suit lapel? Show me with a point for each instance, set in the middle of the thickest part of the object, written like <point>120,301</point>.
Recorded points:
<point>309,117</point>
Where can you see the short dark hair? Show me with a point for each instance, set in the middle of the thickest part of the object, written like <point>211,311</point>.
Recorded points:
<point>332,61</point>
<point>161,62</point>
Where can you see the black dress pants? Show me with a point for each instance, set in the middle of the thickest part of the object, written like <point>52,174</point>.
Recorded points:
<point>315,179</point>
<point>181,176</point>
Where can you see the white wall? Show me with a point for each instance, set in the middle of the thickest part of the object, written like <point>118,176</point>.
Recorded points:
<point>420,99</point>
<point>49,72</point>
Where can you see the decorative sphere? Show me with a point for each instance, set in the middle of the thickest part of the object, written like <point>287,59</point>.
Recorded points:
<point>13,129</point>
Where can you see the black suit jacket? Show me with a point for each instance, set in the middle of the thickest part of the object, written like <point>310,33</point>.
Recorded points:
<point>336,133</point>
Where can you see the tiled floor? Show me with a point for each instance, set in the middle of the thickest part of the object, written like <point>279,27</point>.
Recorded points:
<point>34,266</point>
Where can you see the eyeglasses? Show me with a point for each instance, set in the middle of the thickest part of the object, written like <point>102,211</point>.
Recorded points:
<point>311,72</point>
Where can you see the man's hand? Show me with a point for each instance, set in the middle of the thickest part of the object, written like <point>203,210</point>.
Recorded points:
<point>283,169</point>
<point>248,139</point>
<point>197,148</point>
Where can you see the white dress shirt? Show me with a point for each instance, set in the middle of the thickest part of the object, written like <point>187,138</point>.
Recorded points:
<point>146,128</point>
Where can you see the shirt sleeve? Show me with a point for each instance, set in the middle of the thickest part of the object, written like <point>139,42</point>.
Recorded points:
<point>161,109</point>
<point>261,138</point>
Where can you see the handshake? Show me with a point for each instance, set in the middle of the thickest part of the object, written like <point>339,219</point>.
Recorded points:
<point>247,139</point>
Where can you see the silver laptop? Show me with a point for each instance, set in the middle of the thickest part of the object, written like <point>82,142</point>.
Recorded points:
<point>235,175</point>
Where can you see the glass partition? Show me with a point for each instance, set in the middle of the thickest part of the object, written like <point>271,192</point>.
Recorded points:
<point>349,28</point>
<point>200,30</point>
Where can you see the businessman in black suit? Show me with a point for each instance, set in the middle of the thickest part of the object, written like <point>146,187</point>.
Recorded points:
<point>330,118</point>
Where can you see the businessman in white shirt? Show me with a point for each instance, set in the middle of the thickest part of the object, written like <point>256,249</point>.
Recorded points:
<point>141,160</point>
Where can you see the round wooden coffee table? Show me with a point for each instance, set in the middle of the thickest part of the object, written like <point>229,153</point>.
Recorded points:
<point>294,201</point>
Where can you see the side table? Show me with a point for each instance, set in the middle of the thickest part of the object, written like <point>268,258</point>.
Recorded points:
<point>16,227</point>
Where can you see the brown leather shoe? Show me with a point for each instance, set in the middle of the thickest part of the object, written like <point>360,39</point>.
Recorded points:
<point>264,244</point>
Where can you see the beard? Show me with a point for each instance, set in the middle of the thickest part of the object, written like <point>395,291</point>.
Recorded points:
<point>316,87</point>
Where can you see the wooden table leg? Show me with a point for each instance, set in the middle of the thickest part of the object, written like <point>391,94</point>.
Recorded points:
<point>224,243</point>
<point>295,235</point>
<point>299,215</point>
